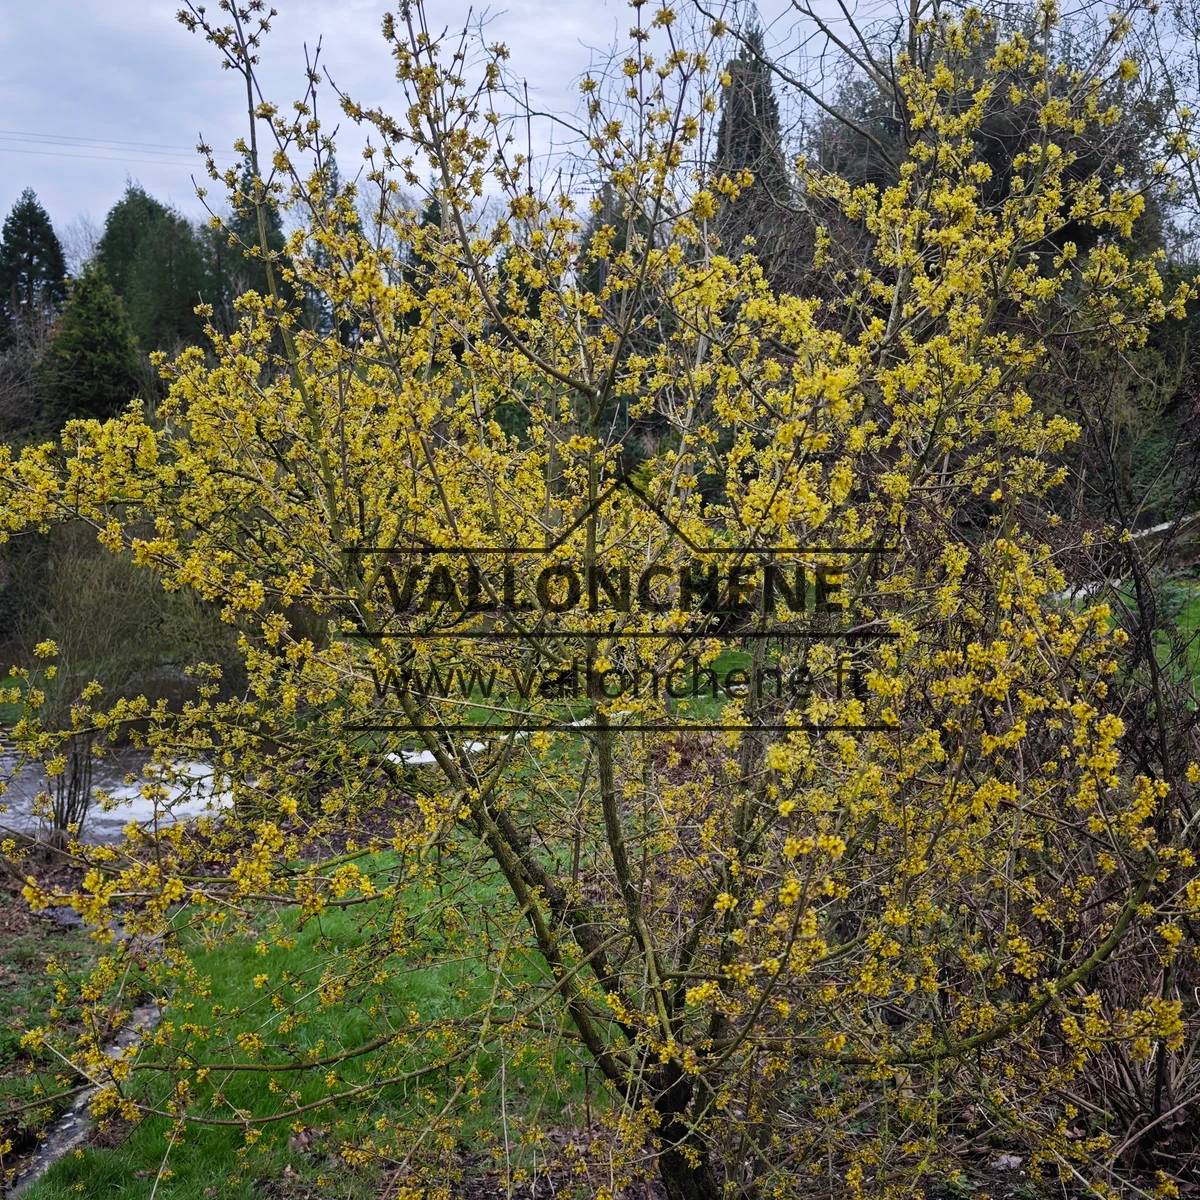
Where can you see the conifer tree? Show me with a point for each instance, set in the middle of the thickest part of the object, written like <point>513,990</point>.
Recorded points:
<point>154,261</point>
<point>419,262</point>
<point>231,249</point>
<point>419,259</point>
<point>90,369</point>
<point>749,150</point>
<point>32,268</point>
<point>125,227</point>
<point>617,226</point>
<point>246,269</point>
<point>167,279</point>
<point>611,211</point>
<point>340,218</point>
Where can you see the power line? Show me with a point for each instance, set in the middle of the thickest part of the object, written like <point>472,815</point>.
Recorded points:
<point>65,152</point>
<point>69,138</point>
<point>139,162</point>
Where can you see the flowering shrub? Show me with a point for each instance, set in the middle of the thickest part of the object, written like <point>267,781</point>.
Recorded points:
<point>829,943</point>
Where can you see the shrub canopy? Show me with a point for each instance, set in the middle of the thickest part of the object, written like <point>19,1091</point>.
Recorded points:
<point>828,939</point>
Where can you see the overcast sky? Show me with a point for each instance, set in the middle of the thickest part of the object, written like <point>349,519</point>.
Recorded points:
<point>83,79</point>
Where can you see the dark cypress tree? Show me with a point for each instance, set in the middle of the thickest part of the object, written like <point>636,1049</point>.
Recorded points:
<point>233,258</point>
<point>628,229</point>
<point>125,227</point>
<point>594,272</point>
<point>516,296</point>
<point>154,261</point>
<point>33,271</point>
<point>431,214</point>
<point>341,218</point>
<point>749,138</point>
<point>90,368</point>
<point>167,279</point>
<point>420,261</point>
<point>220,258</point>
<point>749,134</point>
<point>247,270</point>
<point>233,262</point>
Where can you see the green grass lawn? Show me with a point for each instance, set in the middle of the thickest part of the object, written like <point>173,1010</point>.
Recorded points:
<point>27,993</point>
<point>10,710</point>
<point>27,942</point>
<point>1188,625</point>
<point>1178,636</point>
<point>207,1157</point>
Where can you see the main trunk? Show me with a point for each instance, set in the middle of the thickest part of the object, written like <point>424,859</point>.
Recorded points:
<point>683,1181</point>
<point>683,1162</point>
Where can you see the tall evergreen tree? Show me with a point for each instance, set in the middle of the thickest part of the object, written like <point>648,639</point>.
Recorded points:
<point>233,259</point>
<point>419,262</point>
<point>340,218</point>
<point>125,227</point>
<point>431,214</point>
<point>155,263</point>
<point>516,296</point>
<point>246,268</point>
<point>629,229</point>
<point>90,368</point>
<point>749,138</point>
<point>612,211</point>
<point>32,268</point>
<point>167,279</point>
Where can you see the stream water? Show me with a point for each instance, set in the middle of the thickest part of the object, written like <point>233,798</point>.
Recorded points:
<point>192,789</point>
